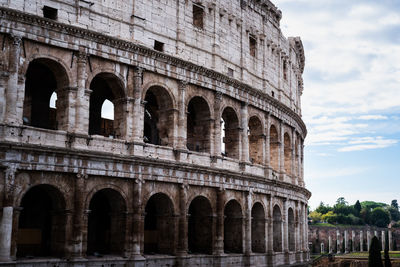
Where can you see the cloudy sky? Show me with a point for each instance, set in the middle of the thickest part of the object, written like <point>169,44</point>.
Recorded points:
<point>351,100</point>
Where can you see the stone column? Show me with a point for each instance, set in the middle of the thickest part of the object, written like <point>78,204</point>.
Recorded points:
<point>305,232</point>
<point>267,140</point>
<point>11,91</point>
<point>219,241</point>
<point>217,124</point>
<point>353,241</point>
<point>6,222</point>
<point>346,241</point>
<point>138,219</point>
<point>329,244</point>
<point>361,241</point>
<point>138,107</point>
<point>368,239</point>
<point>245,136</point>
<point>66,104</point>
<point>183,237</point>
<point>182,116</point>
<point>337,242</point>
<point>83,95</point>
<point>390,240</point>
<point>270,229</point>
<point>383,240</point>
<point>78,230</point>
<point>281,147</point>
<point>285,239</point>
<point>3,87</point>
<point>248,219</point>
<point>293,147</point>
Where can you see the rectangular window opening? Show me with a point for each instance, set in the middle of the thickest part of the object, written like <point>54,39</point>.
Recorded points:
<point>50,13</point>
<point>198,14</point>
<point>285,70</point>
<point>253,46</point>
<point>230,72</point>
<point>159,46</point>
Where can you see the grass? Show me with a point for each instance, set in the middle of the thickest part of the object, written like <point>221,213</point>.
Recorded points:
<point>392,254</point>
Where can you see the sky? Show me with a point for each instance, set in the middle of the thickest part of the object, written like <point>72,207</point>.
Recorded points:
<point>351,98</point>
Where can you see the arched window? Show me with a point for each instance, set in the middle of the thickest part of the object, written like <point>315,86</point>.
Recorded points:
<point>198,125</point>
<point>258,228</point>
<point>274,148</point>
<point>159,225</point>
<point>233,227</point>
<point>106,89</point>
<point>230,134</point>
<point>158,117</point>
<point>106,223</point>
<point>44,78</point>
<point>255,140</point>
<point>200,226</point>
<point>287,154</point>
<point>41,226</point>
<point>277,229</point>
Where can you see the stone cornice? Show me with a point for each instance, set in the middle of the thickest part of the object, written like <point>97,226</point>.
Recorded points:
<point>275,107</point>
<point>137,160</point>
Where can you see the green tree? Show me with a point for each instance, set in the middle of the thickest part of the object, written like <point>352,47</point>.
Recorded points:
<point>394,213</point>
<point>394,204</point>
<point>323,209</point>
<point>374,258</point>
<point>341,201</point>
<point>315,216</point>
<point>357,208</point>
<point>380,217</point>
<point>365,215</point>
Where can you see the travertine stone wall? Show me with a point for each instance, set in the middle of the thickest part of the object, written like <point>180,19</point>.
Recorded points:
<point>164,182</point>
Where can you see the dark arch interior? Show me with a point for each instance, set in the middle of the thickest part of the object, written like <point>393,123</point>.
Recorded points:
<point>231,129</point>
<point>255,140</point>
<point>39,86</point>
<point>200,226</point>
<point>258,228</point>
<point>159,225</point>
<point>274,145</point>
<point>277,229</point>
<point>233,228</point>
<point>105,87</point>
<point>106,223</point>
<point>41,226</point>
<point>291,233</point>
<point>158,117</point>
<point>198,125</point>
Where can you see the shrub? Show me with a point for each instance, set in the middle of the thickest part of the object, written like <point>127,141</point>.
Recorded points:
<point>374,258</point>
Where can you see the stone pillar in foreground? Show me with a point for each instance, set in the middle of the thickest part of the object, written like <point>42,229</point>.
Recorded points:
<point>353,239</point>
<point>368,239</point>
<point>329,244</point>
<point>346,241</point>
<point>383,240</point>
<point>219,241</point>
<point>361,241</point>
<point>390,240</point>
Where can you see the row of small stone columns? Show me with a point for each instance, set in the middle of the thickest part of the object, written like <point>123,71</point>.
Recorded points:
<point>353,243</point>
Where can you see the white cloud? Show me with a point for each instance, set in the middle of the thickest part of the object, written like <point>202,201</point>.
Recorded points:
<point>365,143</point>
<point>372,117</point>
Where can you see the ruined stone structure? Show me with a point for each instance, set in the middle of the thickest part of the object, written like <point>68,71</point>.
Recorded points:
<point>200,162</point>
<point>349,239</point>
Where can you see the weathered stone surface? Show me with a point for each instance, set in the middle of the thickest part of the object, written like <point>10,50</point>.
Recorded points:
<point>163,182</point>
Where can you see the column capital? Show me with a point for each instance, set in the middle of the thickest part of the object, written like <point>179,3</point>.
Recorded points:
<point>218,95</point>
<point>138,71</point>
<point>16,39</point>
<point>183,84</point>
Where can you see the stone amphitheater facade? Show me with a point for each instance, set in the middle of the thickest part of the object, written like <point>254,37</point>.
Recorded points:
<point>200,162</point>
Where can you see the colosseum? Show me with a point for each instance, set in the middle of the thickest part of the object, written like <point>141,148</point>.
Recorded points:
<point>150,133</point>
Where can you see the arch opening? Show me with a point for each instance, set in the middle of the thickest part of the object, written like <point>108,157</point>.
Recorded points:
<point>159,225</point>
<point>41,224</point>
<point>287,154</point>
<point>158,117</point>
<point>106,223</point>
<point>258,228</point>
<point>277,229</point>
<point>255,140</point>
<point>105,119</point>
<point>198,125</point>
<point>291,224</point>
<point>200,226</point>
<point>233,232</point>
<point>44,78</point>
<point>274,148</point>
<point>230,134</point>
